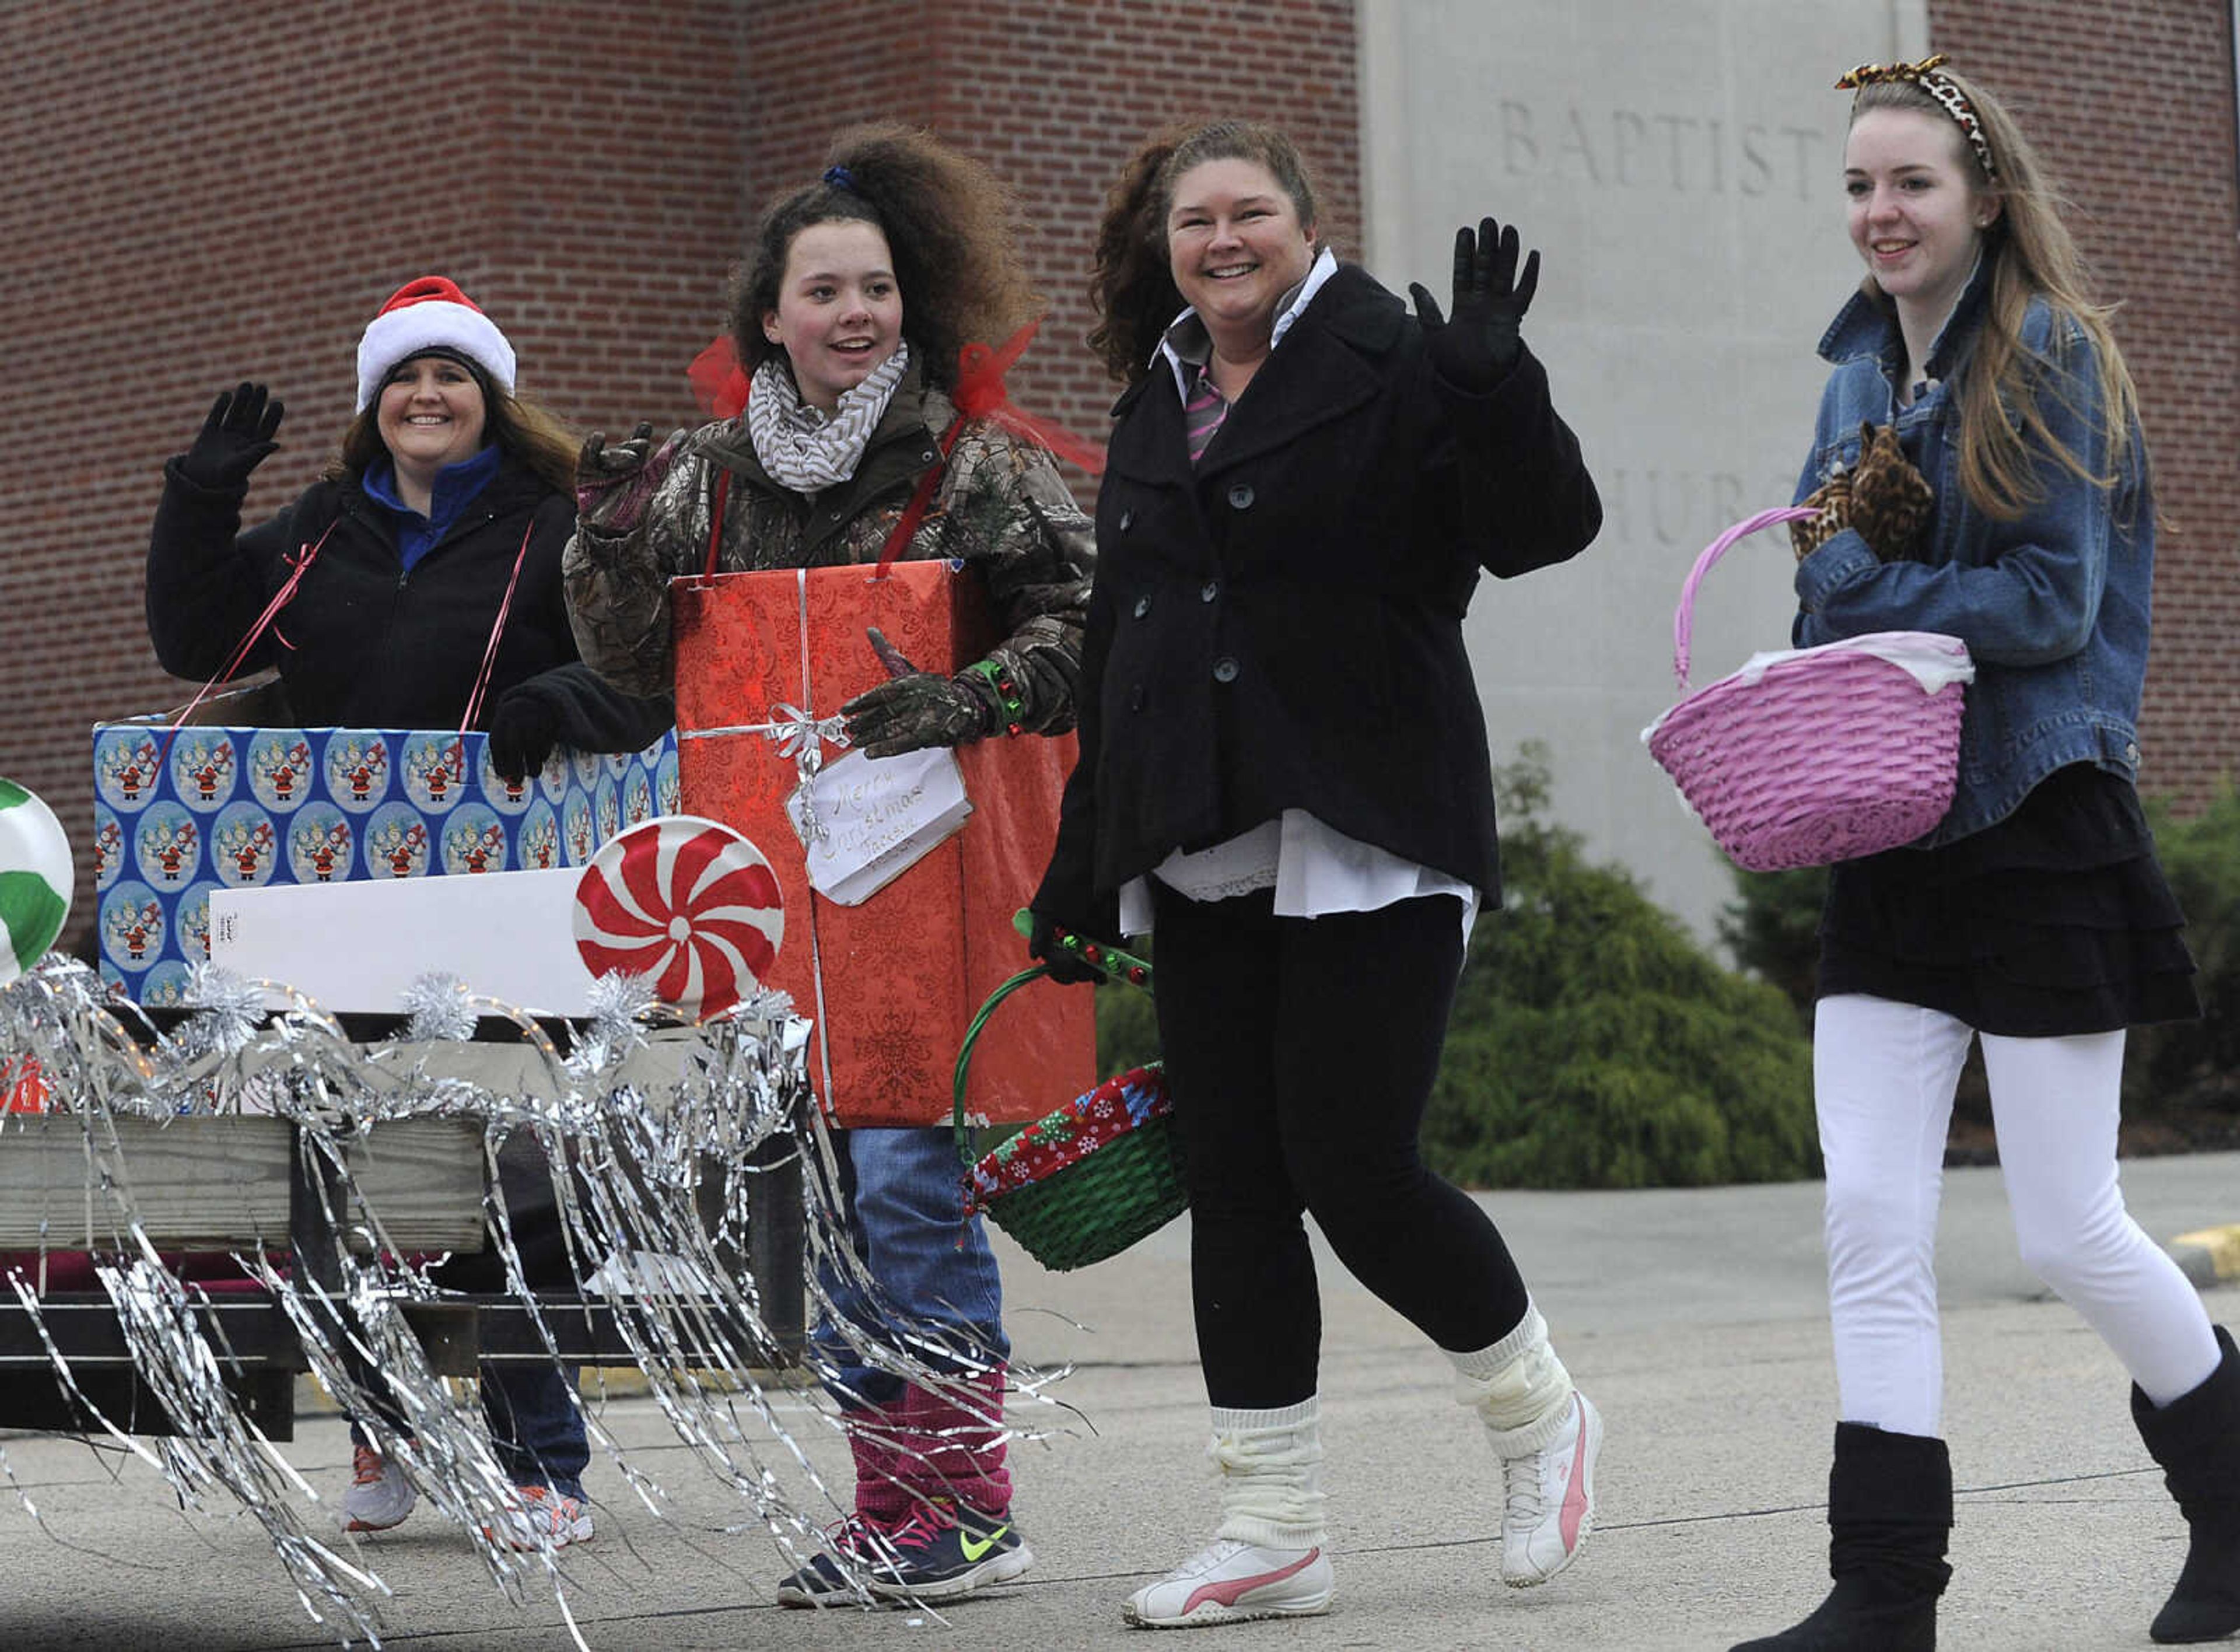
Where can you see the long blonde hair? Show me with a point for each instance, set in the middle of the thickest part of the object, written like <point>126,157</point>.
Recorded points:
<point>2031,254</point>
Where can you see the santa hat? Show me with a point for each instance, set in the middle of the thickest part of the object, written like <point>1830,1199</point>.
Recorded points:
<point>430,314</point>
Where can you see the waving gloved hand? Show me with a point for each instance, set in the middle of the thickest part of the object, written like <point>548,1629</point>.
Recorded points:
<point>1891,501</point>
<point>524,727</point>
<point>1475,347</point>
<point>1064,966</point>
<point>613,483</point>
<point>913,709</point>
<point>235,439</point>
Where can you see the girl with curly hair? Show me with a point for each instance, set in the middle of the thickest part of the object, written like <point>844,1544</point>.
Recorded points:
<point>856,295</point>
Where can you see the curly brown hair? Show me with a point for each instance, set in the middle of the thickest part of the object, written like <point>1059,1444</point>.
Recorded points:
<point>1134,287</point>
<point>947,222</point>
<point>528,433</point>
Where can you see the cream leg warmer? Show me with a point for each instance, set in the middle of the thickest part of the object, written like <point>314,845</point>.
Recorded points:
<point>1517,1386</point>
<point>1271,1476</point>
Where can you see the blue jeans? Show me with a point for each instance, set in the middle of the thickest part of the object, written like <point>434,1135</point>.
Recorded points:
<point>535,1425</point>
<point>536,1429</point>
<point>903,1195</point>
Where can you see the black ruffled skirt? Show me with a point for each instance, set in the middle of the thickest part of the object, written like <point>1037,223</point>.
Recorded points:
<point>2055,920</point>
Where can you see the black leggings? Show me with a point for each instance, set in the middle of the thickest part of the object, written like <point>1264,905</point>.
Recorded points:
<point>1301,1053</point>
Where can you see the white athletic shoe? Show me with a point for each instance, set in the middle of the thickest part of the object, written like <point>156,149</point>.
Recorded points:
<point>1229,1581</point>
<point>1549,1501</point>
<point>542,1518</point>
<point>379,1496</point>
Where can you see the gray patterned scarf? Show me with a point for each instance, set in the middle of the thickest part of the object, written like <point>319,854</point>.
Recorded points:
<point>801,446</point>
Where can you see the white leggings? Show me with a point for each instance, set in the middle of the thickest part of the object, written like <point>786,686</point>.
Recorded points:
<point>1883,1075</point>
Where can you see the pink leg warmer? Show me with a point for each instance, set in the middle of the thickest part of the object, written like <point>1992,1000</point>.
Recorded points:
<point>952,1443</point>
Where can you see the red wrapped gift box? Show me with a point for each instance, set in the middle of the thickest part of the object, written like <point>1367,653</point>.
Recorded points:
<point>764,663</point>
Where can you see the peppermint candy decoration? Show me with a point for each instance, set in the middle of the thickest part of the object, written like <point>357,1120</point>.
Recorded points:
<point>35,879</point>
<point>689,904</point>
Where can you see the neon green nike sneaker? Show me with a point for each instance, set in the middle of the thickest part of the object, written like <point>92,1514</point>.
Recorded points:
<point>945,1551</point>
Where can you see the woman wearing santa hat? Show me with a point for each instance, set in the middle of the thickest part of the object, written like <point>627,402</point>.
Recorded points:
<point>417,585</point>
<point>446,507</point>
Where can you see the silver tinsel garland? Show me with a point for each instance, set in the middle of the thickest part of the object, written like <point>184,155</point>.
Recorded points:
<point>652,1131</point>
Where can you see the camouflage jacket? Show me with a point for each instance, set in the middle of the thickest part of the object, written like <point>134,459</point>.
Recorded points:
<point>1000,507</point>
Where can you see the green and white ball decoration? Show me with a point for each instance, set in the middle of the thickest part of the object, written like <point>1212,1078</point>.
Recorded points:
<point>35,879</point>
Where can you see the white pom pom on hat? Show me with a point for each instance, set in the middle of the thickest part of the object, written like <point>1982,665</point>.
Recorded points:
<point>430,313</point>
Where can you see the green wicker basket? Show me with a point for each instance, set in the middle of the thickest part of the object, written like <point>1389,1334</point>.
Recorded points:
<point>1103,1202</point>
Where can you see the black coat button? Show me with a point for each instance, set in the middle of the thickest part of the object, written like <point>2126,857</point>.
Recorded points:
<point>1143,606</point>
<point>1224,669</point>
<point>1240,496</point>
<point>1136,698</point>
<point>1127,520</point>
<point>1208,591</point>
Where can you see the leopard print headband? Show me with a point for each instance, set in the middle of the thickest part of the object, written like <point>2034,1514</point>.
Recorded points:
<point>1943,88</point>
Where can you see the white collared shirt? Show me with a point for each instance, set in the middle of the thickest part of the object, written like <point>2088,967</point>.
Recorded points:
<point>1186,344</point>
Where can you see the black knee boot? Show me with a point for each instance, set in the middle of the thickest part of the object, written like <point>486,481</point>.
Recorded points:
<point>1889,1511</point>
<point>2196,1439</point>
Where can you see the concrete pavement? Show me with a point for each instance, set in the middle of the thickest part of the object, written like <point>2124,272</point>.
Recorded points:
<point>1694,1318</point>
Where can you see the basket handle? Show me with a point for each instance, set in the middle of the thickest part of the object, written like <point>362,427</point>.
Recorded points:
<point>1684,617</point>
<point>1121,966</point>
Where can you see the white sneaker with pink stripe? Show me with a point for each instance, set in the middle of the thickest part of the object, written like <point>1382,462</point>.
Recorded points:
<point>1229,1581</point>
<point>1549,1499</point>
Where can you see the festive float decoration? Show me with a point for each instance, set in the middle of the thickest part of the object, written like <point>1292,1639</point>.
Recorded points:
<point>35,879</point>
<point>687,903</point>
<point>181,811</point>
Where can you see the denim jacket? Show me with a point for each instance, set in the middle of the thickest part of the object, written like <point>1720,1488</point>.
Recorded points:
<point>2053,606</point>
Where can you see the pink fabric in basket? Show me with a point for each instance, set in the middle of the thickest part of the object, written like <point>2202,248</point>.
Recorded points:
<point>1825,756</point>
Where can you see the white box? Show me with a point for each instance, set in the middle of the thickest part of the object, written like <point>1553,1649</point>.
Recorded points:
<point>356,947</point>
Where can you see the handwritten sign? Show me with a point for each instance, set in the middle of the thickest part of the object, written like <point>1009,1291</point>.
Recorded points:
<point>866,821</point>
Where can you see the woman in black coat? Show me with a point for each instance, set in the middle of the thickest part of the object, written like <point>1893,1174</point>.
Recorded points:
<point>1284,774</point>
<point>419,584</point>
<point>448,503</point>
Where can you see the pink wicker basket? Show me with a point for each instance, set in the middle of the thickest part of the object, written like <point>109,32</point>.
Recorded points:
<point>1822,755</point>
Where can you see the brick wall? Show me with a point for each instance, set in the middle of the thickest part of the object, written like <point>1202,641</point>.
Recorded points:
<point>2132,106</point>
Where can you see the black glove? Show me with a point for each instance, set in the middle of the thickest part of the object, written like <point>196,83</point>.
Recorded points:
<point>523,728</point>
<point>1066,967</point>
<point>234,440</point>
<point>914,710</point>
<point>613,483</point>
<point>1476,350</point>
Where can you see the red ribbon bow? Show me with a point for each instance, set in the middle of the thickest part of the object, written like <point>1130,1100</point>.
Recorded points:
<point>719,383</point>
<point>981,394</point>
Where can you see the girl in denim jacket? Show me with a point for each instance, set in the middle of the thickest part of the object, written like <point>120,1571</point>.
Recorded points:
<point>1979,471</point>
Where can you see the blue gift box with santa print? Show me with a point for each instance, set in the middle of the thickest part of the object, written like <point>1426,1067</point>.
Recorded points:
<point>180,811</point>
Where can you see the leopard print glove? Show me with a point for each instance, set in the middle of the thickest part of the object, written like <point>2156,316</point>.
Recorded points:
<point>1891,501</point>
<point>1832,499</point>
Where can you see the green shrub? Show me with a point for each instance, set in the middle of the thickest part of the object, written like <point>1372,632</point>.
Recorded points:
<point>1772,928</point>
<point>1594,1043</point>
<point>2192,1067</point>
